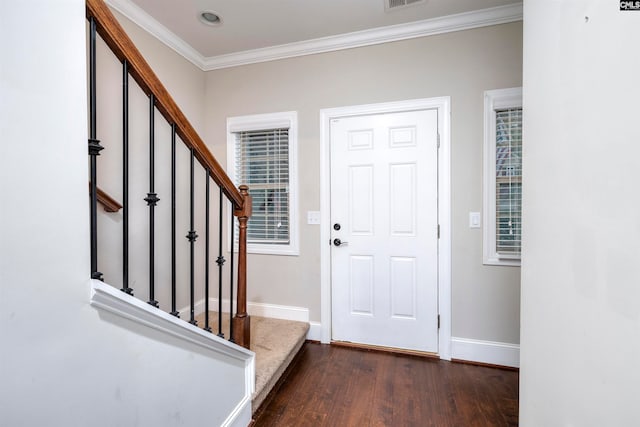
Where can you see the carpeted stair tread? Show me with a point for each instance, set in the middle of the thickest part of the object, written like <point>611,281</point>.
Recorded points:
<point>275,343</point>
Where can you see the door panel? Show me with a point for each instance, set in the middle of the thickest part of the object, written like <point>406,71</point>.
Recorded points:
<point>384,272</point>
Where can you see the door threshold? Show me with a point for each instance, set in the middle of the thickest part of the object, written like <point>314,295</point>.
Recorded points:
<point>382,349</point>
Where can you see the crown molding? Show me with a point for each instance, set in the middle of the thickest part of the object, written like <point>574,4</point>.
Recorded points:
<point>427,27</point>
<point>145,21</point>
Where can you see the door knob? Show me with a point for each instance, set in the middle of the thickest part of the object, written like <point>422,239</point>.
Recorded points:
<point>339,242</point>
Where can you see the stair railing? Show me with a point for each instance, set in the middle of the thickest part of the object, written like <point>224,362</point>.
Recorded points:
<point>103,23</point>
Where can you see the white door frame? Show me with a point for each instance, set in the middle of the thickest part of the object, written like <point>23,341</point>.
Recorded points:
<point>443,105</point>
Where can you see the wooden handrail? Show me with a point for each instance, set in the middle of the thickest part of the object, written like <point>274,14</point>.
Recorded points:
<point>109,203</point>
<point>117,39</point>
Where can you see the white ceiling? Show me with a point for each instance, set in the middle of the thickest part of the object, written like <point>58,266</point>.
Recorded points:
<point>265,25</point>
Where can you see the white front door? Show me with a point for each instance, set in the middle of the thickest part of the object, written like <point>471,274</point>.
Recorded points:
<point>384,225</point>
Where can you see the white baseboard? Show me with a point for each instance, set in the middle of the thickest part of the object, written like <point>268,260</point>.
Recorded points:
<point>315,331</point>
<point>491,352</point>
<point>198,308</point>
<point>285,312</point>
<point>274,311</point>
<point>494,353</point>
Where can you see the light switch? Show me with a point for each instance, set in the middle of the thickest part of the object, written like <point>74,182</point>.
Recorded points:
<point>313,217</point>
<point>474,219</point>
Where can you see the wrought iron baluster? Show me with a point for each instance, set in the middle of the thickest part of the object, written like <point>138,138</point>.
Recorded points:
<point>174,311</point>
<point>125,178</point>
<point>152,199</point>
<point>192,236</point>
<point>220,261</point>
<point>206,258</point>
<point>233,239</point>
<point>94,151</point>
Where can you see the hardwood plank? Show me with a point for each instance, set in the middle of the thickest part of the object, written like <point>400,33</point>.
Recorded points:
<point>384,394</point>
<point>337,386</point>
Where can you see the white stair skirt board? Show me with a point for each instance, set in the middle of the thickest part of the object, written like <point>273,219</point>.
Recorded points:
<point>299,314</point>
<point>108,298</point>
<point>495,353</point>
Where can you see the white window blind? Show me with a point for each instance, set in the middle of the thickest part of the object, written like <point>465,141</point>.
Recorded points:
<point>262,163</point>
<point>502,183</point>
<point>508,181</point>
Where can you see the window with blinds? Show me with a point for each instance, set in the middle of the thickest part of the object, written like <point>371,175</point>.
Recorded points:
<point>261,153</point>
<point>262,163</point>
<point>502,184</point>
<point>508,180</point>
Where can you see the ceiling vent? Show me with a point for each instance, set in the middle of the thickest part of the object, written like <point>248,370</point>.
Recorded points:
<point>397,4</point>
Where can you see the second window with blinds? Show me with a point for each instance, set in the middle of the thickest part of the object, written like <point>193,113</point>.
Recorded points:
<point>261,153</point>
<point>502,176</point>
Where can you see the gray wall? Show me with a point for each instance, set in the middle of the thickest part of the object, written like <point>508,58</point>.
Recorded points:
<point>184,81</point>
<point>580,277</point>
<point>186,84</point>
<point>461,65</point>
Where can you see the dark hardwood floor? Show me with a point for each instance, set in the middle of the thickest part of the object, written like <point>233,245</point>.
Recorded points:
<point>336,386</point>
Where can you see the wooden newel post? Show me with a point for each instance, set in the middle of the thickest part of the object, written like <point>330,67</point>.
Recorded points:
<point>241,321</point>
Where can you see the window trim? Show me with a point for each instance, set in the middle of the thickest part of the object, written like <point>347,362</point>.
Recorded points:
<point>287,119</point>
<point>494,100</point>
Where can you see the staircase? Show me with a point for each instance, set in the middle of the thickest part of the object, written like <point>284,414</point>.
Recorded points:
<point>275,343</point>
<point>165,286</point>
<point>181,134</point>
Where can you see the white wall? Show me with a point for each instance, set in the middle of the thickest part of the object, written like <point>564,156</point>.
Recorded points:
<point>62,362</point>
<point>580,276</point>
<point>461,65</point>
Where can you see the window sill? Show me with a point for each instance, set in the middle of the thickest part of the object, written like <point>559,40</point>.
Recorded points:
<point>502,262</point>
<point>283,251</point>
